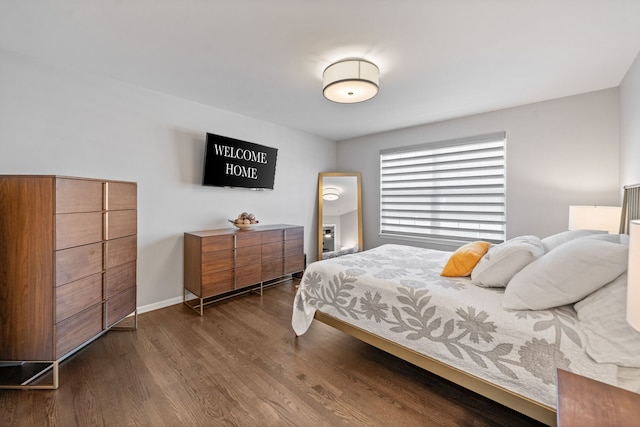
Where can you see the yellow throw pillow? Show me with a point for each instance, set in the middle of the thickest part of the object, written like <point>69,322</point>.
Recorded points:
<point>463,260</point>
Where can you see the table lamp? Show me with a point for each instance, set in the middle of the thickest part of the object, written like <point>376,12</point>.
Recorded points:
<point>604,218</point>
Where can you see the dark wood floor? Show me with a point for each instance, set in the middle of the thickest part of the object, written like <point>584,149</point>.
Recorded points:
<point>241,365</point>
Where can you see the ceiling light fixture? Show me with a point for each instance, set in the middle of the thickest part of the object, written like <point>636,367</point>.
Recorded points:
<point>350,81</point>
<point>330,193</point>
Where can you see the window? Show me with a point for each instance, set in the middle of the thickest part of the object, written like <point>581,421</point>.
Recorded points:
<point>450,190</point>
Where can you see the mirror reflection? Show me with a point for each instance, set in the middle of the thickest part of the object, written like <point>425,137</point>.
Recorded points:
<point>339,214</point>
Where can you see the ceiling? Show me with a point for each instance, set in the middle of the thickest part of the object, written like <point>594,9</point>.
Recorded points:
<point>264,58</point>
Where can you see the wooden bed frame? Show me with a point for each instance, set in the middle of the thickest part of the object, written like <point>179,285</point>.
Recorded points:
<point>524,405</point>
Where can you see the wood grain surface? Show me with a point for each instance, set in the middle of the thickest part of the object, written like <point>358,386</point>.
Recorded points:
<point>242,365</point>
<point>586,402</point>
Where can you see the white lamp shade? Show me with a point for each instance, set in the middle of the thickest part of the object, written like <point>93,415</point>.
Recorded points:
<point>330,193</point>
<point>604,218</point>
<point>633,276</point>
<point>350,81</point>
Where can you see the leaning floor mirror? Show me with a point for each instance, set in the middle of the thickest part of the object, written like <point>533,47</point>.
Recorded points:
<point>339,214</point>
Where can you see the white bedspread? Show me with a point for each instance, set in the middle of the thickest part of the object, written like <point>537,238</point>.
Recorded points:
<point>397,293</point>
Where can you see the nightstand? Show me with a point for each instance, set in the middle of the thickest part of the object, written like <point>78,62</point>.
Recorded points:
<point>584,402</point>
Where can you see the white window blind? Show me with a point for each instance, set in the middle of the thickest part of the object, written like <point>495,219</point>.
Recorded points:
<point>451,190</point>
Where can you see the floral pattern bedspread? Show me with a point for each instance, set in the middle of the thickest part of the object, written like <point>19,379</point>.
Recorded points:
<point>397,292</point>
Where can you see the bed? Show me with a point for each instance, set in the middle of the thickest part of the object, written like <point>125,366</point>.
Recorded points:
<point>341,252</point>
<point>395,298</point>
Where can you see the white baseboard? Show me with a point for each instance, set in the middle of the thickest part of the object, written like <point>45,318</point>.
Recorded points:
<point>179,300</point>
<point>159,305</point>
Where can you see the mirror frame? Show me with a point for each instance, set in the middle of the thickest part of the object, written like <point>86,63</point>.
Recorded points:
<point>321,176</point>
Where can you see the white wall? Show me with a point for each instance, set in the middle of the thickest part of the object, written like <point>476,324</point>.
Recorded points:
<point>349,223</point>
<point>630,125</point>
<point>59,121</point>
<point>559,152</point>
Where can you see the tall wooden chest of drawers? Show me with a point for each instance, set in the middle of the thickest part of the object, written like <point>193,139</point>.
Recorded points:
<point>68,251</point>
<point>220,262</point>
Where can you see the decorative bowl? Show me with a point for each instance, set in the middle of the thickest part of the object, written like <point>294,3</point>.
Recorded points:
<point>244,221</point>
<point>244,226</point>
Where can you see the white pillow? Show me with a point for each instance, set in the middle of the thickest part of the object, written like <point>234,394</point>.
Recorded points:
<point>555,240</point>
<point>567,274</point>
<point>602,315</point>
<point>501,262</point>
<point>622,239</point>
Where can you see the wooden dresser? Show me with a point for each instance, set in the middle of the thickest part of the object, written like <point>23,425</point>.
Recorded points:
<point>220,263</point>
<point>68,251</point>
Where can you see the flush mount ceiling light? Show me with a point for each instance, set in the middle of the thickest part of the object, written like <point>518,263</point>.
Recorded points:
<point>330,193</point>
<point>350,81</point>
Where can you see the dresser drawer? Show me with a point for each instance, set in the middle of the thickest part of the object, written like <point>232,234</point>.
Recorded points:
<point>119,278</point>
<point>121,196</point>
<point>120,306</point>
<point>121,224</point>
<point>78,229</point>
<point>217,261</point>
<point>294,233</point>
<point>272,236</point>
<point>217,283</point>
<point>248,275</point>
<point>272,269</point>
<point>293,248</point>
<point>74,297</point>
<point>217,243</point>
<point>77,195</point>
<point>120,251</point>
<point>272,251</point>
<point>76,263</point>
<point>293,264</point>
<point>248,255</point>
<point>248,238</point>
<point>77,329</point>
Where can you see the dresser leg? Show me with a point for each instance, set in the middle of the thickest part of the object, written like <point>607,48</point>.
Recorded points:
<point>25,383</point>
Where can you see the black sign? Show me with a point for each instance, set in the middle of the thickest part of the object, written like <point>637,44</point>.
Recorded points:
<point>233,163</point>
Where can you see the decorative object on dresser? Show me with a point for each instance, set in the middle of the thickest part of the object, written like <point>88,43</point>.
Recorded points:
<point>68,251</point>
<point>225,262</point>
<point>244,221</point>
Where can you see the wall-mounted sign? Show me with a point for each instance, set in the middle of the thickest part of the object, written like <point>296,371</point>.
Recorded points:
<point>230,162</point>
